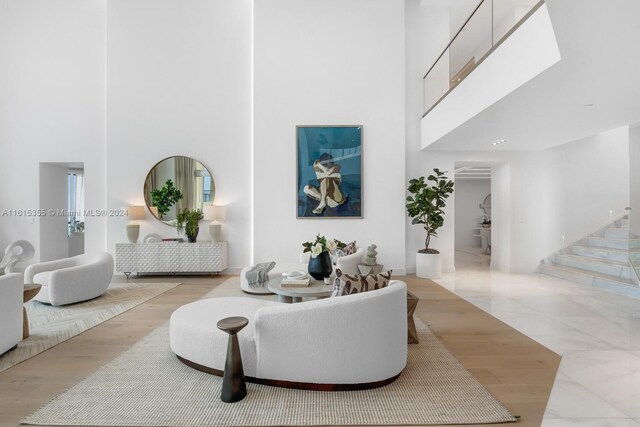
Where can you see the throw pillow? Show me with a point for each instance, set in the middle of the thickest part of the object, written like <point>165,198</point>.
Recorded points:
<point>347,284</point>
<point>350,249</point>
<point>335,255</point>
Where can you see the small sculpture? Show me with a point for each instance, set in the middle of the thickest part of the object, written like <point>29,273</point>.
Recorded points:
<point>372,254</point>
<point>371,265</point>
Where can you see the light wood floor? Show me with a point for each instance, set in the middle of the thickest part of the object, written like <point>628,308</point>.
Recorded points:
<point>517,370</point>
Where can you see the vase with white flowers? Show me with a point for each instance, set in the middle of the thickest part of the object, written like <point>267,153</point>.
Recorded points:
<point>320,262</point>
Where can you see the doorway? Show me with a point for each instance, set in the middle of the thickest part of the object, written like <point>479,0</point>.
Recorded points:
<point>473,243</point>
<point>61,196</point>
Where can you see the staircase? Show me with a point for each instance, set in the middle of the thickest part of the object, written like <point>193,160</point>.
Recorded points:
<point>600,260</point>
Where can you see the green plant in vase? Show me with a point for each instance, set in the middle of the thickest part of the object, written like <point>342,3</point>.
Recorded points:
<point>188,221</point>
<point>164,198</point>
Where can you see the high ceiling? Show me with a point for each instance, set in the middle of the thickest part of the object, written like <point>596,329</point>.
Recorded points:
<point>595,86</point>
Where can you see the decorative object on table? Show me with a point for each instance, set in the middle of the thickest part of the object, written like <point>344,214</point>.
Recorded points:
<point>347,284</point>
<point>214,214</point>
<point>165,197</point>
<point>30,290</point>
<point>65,281</point>
<point>191,187</point>
<point>486,206</point>
<point>152,237</point>
<point>234,387</point>
<point>11,303</point>
<point>294,294</point>
<point>426,206</point>
<point>329,171</point>
<point>295,279</point>
<point>486,222</point>
<point>134,213</point>
<point>173,239</point>
<point>18,251</point>
<point>189,222</point>
<point>258,275</point>
<point>371,265</point>
<point>320,265</point>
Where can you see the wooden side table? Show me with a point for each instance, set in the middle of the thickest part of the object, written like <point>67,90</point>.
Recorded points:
<point>234,387</point>
<point>29,292</point>
<point>412,303</point>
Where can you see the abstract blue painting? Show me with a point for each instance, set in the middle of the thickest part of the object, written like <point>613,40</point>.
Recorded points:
<point>329,171</point>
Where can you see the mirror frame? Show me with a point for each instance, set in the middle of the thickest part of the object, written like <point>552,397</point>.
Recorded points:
<point>146,178</point>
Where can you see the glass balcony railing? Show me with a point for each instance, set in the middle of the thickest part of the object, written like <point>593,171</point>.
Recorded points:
<point>491,22</point>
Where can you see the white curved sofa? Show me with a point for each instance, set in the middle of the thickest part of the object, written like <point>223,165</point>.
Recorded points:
<point>349,342</point>
<point>11,300</point>
<point>70,280</point>
<point>347,264</point>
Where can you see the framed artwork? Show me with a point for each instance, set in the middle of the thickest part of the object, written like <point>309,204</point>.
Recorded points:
<point>329,168</point>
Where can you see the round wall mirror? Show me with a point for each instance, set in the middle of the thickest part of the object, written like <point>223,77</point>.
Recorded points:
<point>177,183</point>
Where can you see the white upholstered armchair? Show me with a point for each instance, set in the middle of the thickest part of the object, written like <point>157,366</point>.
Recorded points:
<point>70,280</point>
<point>11,294</point>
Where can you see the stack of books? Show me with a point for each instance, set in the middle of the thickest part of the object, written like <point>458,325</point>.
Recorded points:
<point>295,279</point>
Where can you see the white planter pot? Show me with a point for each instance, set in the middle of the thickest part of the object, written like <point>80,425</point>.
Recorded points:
<point>428,266</point>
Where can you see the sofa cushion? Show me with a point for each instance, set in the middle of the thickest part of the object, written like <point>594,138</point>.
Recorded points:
<point>347,284</point>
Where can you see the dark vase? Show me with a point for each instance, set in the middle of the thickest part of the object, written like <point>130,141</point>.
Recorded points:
<point>191,237</point>
<point>320,266</point>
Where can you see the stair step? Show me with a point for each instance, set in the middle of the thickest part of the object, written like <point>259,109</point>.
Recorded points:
<point>607,242</point>
<point>619,255</point>
<point>617,232</point>
<point>596,280</point>
<point>608,267</point>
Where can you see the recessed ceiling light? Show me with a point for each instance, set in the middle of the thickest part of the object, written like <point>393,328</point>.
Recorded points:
<point>501,141</point>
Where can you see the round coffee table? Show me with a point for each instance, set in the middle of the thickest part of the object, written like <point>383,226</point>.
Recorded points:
<point>316,289</point>
<point>30,291</point>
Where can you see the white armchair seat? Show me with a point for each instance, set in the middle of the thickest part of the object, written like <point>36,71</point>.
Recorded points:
<point>71,280</point>
<point>356,341</point>
<point>11,300</point>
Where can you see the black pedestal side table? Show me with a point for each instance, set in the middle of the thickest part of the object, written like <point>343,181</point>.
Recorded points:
<point>234,387</point>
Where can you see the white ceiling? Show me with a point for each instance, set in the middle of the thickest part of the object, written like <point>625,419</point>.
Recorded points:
<point>600,47</point>
<point>473,172</point>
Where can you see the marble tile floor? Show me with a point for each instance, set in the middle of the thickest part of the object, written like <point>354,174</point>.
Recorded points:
<point>597,334</point>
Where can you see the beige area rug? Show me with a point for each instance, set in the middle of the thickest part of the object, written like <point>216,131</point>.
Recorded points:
<point>148,386</point>
<point>49,326</point>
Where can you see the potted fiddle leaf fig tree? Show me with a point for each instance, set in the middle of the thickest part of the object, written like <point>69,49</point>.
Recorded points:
<point>425,206</point>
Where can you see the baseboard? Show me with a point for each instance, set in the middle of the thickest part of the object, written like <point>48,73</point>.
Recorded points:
<point>234,271</point>
<point>399,271</point>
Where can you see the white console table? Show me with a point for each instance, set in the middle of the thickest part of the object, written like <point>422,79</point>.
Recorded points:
<point>171,257</point>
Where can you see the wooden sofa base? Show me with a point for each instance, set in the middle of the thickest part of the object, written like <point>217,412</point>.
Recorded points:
<point>295,384</point>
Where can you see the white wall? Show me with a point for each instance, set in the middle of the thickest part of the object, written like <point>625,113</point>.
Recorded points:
<point>469,195</point>
<point>325,62</point>
<point>634,178</point>
<point>53,194</point>
<point>588,185</point>
<point>179,83</point>
<point>525,54</point>
<point>537,197</point>
<point>52,105</point>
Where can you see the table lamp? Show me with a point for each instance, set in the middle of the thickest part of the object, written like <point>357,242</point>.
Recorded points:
<point>133,228</point>
<point>215,214</point>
